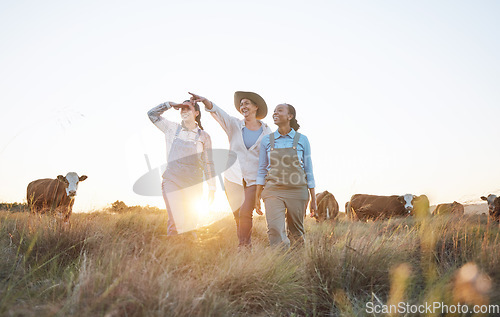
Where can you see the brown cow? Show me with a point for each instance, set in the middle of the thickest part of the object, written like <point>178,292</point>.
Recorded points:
<point>55,196</point>
<point>493,206</point>
<point>365,207</point>
<point>454,208</point>
<point>328,207</point>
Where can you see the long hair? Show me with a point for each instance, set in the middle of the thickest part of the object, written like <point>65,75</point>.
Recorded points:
<point>293,123</point>
<point>198,117</point>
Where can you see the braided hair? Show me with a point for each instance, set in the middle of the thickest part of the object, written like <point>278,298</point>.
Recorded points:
<point>198,117</point>
<point>293,123</point>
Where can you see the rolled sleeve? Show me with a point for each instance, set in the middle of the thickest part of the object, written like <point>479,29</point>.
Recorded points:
<point>263,161</point>
<point>160,122</point>
<point>308,166</point>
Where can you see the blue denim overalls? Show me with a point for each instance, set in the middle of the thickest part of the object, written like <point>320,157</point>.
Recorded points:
<point>182,184</point>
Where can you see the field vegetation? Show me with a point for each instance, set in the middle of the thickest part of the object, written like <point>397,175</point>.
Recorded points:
<point>123,264</point>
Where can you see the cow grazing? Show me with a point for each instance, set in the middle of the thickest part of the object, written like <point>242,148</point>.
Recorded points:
<point>55,196</point>
<point>493,206</point>
<point>454,208</point>
<point>364,207</point>
<point>328,207</point>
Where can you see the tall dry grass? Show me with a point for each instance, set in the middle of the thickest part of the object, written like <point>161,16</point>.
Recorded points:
<point>124,265</point>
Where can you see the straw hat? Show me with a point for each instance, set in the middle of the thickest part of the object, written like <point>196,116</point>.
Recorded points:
<point>258,100</point>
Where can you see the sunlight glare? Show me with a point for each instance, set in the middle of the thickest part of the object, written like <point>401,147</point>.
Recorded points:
<point>209,213</point>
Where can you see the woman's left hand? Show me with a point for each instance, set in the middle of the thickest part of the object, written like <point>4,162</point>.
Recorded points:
<point>211,196</point>
<point>313,207</point>
<point>257,207</point>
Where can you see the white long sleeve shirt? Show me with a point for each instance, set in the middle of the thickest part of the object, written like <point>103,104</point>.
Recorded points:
<point>247,162</point>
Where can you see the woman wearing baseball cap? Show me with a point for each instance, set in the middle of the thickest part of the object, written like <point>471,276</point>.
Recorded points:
<point>244,139</point>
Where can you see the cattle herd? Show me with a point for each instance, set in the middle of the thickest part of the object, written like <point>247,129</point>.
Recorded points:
<point>57,196</point>
<point>365,207</point>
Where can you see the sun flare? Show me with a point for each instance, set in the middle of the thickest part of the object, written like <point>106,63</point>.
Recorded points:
<point>209,213</point>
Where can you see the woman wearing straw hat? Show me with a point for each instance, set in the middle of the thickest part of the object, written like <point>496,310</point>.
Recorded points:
<point>244,137</point>
<point>188,158</point>
<point>285,179</point>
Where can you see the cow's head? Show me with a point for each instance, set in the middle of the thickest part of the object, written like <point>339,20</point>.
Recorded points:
<point>415,205</point>
<point>491,202</point>
<point>71,181</point>
<point>407,201</point>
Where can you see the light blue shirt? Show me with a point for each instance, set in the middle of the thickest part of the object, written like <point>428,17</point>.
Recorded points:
<point>280,142</point>
<point>250,136</point>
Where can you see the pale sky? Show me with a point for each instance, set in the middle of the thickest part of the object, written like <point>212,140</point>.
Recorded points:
<point>395,96</point>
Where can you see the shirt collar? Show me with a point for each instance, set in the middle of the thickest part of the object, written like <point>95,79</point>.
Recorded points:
<point>186,129</point>
<point>291,134</point>
<point>263,125</point>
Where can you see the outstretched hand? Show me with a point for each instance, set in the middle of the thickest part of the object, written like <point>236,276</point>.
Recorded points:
<point>196,98</point>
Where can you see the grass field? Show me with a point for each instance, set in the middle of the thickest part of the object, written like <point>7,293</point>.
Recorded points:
<point>123,264</point>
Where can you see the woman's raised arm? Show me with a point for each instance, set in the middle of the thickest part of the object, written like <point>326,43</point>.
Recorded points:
<point>226,121</point>
<point>160,122</point>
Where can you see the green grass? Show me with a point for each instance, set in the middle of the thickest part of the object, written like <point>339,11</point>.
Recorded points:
<point>123,264</point>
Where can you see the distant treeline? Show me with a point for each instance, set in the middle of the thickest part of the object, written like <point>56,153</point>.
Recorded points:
<point>120,207</point>
<point>13,207</point>
<point>116,207</point>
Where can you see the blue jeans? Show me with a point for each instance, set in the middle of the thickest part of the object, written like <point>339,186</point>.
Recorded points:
<point>244,214</point>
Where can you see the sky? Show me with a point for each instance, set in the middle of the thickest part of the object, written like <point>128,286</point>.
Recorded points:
<point>395,97</point>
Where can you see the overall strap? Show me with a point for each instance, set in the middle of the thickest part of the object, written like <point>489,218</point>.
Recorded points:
<point>271,141</point>
<point>296,140</point>
<point>178,130</point>
<point>197,136</point>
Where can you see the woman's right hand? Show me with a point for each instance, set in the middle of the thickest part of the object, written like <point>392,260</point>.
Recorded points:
<point>258,193</point>
<point>196,98</point>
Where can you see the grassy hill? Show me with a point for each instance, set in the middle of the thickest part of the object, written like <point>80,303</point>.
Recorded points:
<point>106,264</point>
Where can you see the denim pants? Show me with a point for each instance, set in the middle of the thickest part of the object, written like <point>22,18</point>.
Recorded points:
<point>242,202</point>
